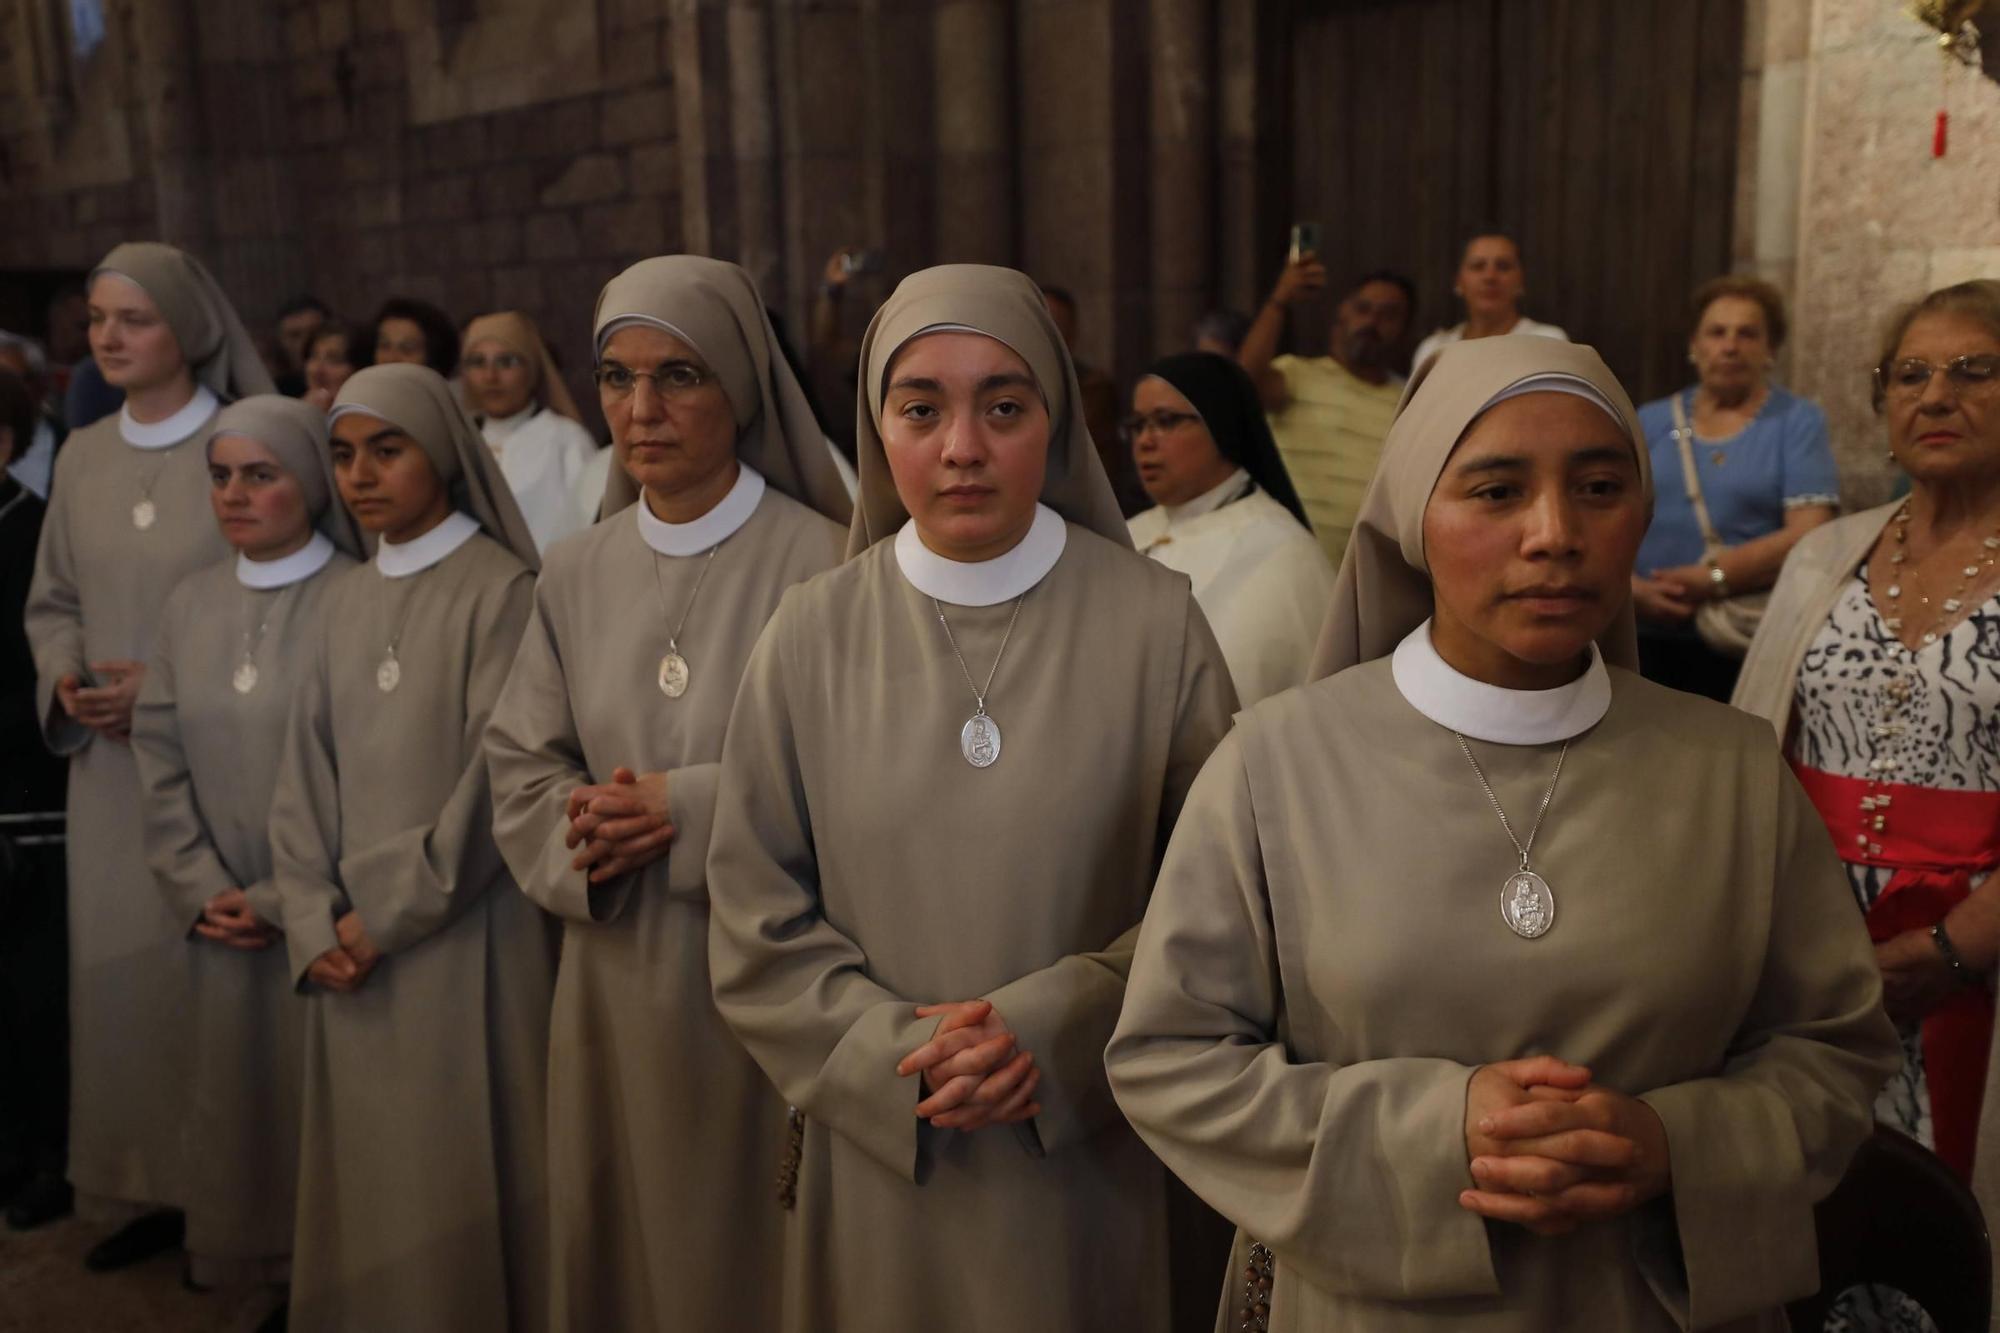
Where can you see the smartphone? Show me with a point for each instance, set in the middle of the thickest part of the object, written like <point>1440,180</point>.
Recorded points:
<point>857,262</point>
<point>1305,240</point>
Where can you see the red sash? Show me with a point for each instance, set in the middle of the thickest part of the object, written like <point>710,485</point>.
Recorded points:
<point>1936,842</point>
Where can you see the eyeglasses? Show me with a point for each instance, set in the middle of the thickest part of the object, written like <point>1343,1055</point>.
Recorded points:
<point>671,380</point>
<point>1160,423</point>
<point>1909,377</point>
<point>500,361</point>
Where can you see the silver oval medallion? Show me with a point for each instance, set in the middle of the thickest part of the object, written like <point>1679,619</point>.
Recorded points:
<point>979,740</point>
<point>673,675</point>
<point>1527,905</point>
<point>143,514</point>
<point>388,674</point>
<point>245,679</point>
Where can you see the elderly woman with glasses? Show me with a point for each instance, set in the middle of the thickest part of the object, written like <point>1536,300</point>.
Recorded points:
<point>1746,470</point>
<point>1879,664</point>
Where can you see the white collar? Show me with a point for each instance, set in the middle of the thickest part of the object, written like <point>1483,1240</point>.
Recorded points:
<point>168,430</point>
<point>415,556</point>
<point>720,523</point>
<point>1489,713</point>
<point>984,582</point>
<point>1233,487</point>
<point>286,570</point>
<point>496,429</point>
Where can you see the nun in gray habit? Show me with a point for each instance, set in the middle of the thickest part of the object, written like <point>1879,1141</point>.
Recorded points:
<point>128,518</point>
<point>421,1197</point>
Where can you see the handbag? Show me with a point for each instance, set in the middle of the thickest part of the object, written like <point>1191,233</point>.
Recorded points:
<point>1728,624</point>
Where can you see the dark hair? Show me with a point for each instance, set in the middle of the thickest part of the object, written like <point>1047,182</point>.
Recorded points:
<point>1225,326</point>
<point>1742,287</point>
<point>17,412</point>
<point>1976,300</point>
<point>301,303</point>
<point>1391,276</point>
<point>440,335</point>
<point>352,339</point>
<point>1484,230</point>
<point>1062,294</point>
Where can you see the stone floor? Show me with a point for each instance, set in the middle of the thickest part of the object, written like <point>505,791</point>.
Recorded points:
<point>45,1289</point>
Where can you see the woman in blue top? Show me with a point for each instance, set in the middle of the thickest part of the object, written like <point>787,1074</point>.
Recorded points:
<point>1766,474</point>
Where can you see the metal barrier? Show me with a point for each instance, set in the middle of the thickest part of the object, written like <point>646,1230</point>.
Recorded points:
<point>43,828</point>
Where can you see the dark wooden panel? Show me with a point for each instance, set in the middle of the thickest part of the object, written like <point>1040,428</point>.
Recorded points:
<point>1603,136</point>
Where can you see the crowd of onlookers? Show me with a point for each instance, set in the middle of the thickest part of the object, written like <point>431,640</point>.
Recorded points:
<point>1327,414</point>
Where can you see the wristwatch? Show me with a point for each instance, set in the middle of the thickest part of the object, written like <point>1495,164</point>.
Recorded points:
<point>1718,583</point>
<point>1959,971</point>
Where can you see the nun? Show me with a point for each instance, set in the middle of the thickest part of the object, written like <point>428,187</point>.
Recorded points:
<point>1385,1014</point>
<point>1225,514</point>
<point>516,395</point>
<point>605,749</point>
<point>207,736</point>
<point>946,785</point>
<point>128,519</point>
<point>427,975</point>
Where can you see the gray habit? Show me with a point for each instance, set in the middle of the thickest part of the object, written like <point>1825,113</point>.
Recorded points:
<point>208,756</point>
<point>100,583</point>
<point>421,1196</point>
<point>860,867</point>
<point>664,1136</point>
<point>1324,966</point>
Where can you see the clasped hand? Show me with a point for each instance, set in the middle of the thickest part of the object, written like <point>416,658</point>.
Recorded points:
<point>345,966</point>
<point>1549,1149</point>
<point>227,919</point>
<point>622,825</point>
<point>972,1070</point>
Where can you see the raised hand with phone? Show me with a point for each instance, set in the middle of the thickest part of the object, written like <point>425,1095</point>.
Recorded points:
<point>1303,277</point>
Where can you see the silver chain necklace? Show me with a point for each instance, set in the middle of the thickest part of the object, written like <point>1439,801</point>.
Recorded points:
<point>144,512</point>
<point>389,671</point>
<point>673,675</point>
<point>244,678</point>
<point>1527,904</point>
<point>979,738</point>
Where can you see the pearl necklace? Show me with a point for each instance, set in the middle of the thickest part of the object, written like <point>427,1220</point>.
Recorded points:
<point>1949,606</point>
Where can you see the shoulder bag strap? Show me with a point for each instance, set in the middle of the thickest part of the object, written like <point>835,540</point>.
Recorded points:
<point>1684,437</point>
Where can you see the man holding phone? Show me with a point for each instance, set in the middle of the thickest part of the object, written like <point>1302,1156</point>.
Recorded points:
<point>1331,413</point>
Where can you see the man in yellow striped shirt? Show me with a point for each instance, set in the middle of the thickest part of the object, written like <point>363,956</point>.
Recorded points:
<point>1331,413</point>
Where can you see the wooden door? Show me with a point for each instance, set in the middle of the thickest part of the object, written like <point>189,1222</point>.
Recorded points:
<point>1601,134</point>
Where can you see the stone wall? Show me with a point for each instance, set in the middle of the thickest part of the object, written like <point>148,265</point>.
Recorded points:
<point>1841,203</point>
<point>490,153</point>
<point>463,168</point>
<point>515,157</point>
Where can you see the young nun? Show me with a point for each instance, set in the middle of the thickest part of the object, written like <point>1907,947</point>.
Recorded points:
<point>207,735</point>
<point>922,909</point>
<point>128,519</point>
<point>1436,999</point>
<point>605,748</point>
<point>421,1198</point>
<point>524,411</point>
<point>1225,514</point>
